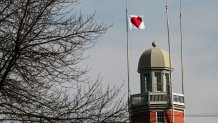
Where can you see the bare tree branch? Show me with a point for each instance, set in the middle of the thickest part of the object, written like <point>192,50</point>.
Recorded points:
<point>41,45</point>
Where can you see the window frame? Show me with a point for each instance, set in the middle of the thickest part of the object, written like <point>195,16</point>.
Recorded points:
<point>167,81</point>
<point>147,80</point>
<point>160,117</point>
<point>158,83</point>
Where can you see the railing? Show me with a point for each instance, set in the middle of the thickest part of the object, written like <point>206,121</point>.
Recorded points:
<point>178,99</point>
<point>156,98</point>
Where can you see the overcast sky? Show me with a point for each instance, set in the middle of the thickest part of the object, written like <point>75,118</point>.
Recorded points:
<point>200,34</point>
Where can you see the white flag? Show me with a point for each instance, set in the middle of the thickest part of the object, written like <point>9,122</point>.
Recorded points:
<point>135,22</point>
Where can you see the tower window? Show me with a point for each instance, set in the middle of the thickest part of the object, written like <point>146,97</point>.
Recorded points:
<point>157,81</point>
<point>147,80</point>
<point>160,117</point>
<point>167,82</point>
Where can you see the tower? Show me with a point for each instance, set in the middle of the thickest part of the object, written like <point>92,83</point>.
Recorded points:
<point>156,103</point>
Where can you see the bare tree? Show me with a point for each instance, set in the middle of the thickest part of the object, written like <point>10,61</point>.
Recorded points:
<point>41,44</point>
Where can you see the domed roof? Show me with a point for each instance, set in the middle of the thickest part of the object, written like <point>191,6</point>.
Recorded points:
<point>154,58</point>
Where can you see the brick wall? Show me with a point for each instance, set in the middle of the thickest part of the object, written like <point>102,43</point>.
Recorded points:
<point>150,117</point>
<point>178,117</point>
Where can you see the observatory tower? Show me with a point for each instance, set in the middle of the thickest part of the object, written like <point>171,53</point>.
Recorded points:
<point>156,103</point>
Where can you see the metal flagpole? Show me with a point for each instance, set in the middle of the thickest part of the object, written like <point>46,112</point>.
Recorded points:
<point>128,65</point>
<point>181,39</point>
<point>171,85</point>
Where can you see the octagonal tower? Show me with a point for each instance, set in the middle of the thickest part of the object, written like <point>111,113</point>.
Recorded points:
<point>156,103</point>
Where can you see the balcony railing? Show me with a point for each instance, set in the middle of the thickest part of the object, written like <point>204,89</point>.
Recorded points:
<point>178,99</point>
<point>156,98</point>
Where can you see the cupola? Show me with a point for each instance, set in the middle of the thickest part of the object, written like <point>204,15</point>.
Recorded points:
<point>154,70</point>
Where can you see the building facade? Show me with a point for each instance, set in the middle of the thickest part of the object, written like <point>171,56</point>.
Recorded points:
<point>156,103</point>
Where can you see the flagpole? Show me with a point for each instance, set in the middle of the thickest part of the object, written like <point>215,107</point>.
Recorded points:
<point>128,64</point>
<point>168,36</point>
<point>181,39</point>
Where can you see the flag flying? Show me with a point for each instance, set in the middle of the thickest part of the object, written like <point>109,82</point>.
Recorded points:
<point>135,22</point>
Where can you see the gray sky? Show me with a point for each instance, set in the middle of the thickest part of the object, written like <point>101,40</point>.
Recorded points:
<point>200,34</point>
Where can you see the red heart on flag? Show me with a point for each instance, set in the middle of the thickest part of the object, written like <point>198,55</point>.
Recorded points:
<point>136,21</point>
